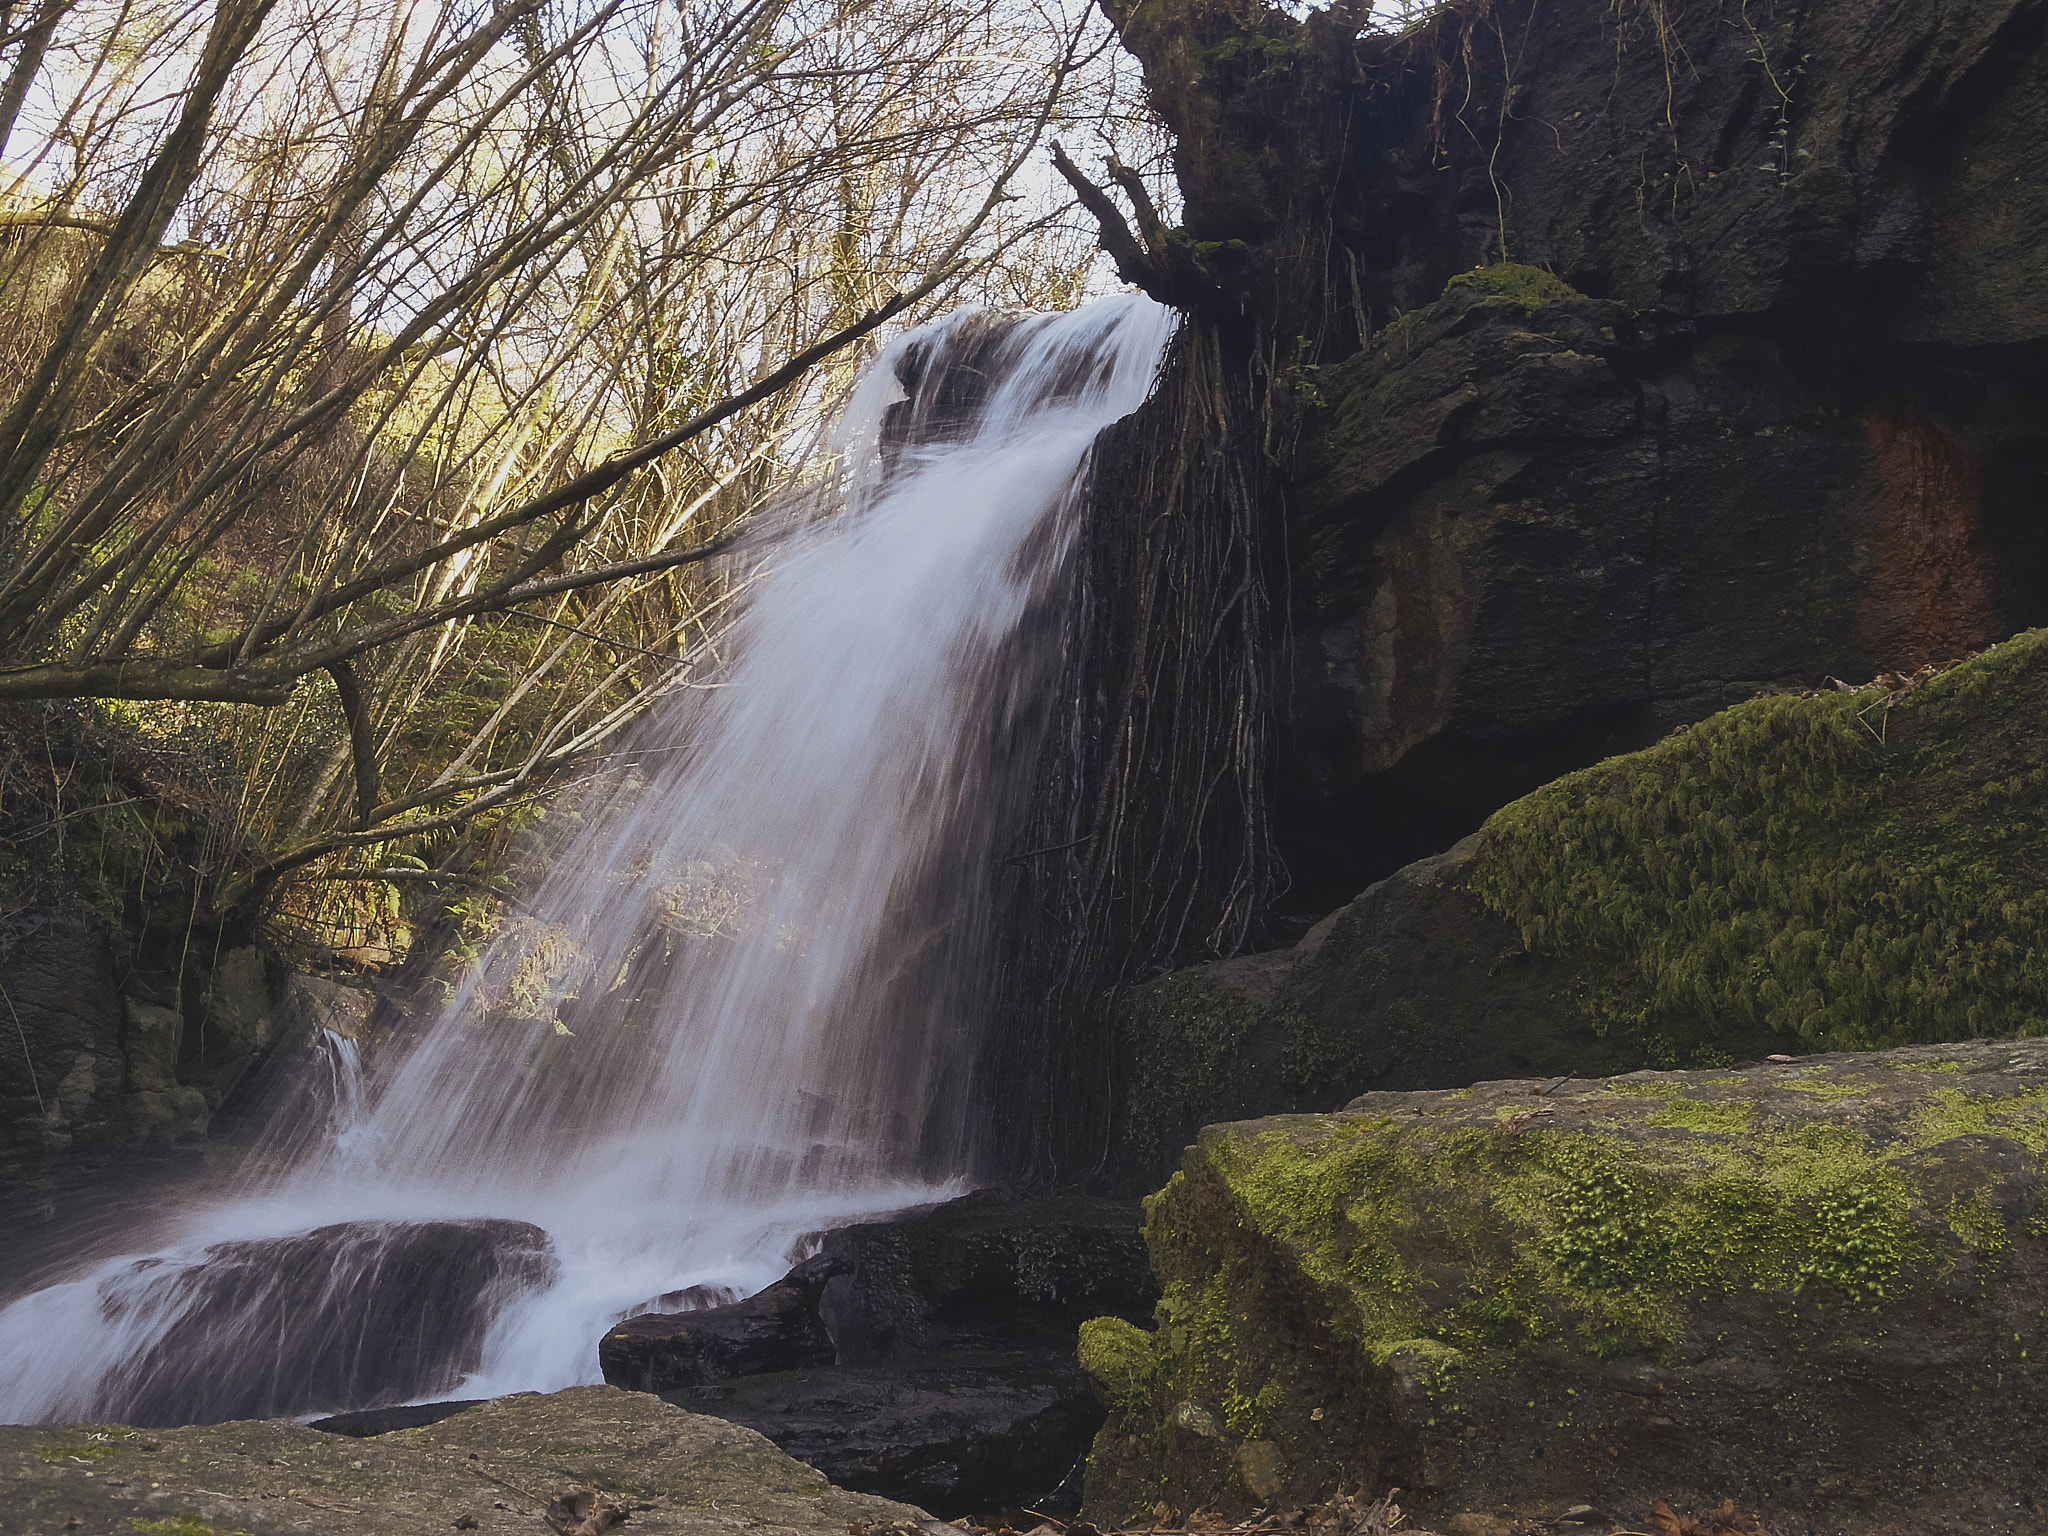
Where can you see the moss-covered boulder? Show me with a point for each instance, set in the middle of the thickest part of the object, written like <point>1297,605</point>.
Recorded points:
<point>1847,869</point>
<point>1828,870</point>
<point>1818,1286</point>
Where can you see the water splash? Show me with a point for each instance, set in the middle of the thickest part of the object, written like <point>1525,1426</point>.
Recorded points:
<point>744,1006</point>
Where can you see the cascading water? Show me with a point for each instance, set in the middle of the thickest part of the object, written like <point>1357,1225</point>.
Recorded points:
<point>768,936</point>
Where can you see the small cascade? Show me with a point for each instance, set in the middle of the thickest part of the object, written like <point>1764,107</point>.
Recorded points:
<point>744,1003</point>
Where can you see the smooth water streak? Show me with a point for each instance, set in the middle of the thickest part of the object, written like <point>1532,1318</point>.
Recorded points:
<point>742,1006</point>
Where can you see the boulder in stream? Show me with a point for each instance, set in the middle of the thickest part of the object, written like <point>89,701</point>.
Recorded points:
<point>950,1378</point>
<point>358,1314</point>
<point>777,1329</point>
<point>1831,869</point>
<point>1818,1287</point>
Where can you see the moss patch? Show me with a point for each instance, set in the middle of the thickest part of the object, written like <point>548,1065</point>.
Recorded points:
<point>1848,871</point>
<point>1418,1256</point>
<point>1180,1037</point>
<point>83,1450</point>
<point>1530,287</point>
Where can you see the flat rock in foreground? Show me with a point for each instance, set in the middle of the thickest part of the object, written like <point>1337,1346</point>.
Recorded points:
<point>495,1467</point>
<point>1816,1287</point>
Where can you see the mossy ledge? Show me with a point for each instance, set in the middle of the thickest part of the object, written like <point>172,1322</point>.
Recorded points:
<point>1815,1286</point>
<point>1844,870</point>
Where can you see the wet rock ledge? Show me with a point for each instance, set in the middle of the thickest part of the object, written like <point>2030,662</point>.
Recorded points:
<point>1818,1287</point>
<point>497,1467</point>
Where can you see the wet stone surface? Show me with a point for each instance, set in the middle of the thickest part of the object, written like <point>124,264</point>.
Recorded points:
<point>494,1468</point>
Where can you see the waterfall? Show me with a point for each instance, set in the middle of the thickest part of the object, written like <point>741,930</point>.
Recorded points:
<point>742,1006</point>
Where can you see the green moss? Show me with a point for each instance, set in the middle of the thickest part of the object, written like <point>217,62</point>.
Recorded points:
<point>2016,1117</point>
<point>1700,1115</point>
<point>1857,1245</point>
<point>1119,1357</point>
<point>1180,1037</point>
<point>1604,1237</point>
<point>1838,870</point>
<point>1248,1412</point>
<point>1314,1056</point>
<point>84,1450</point>
<point>1977,1222</point>
<point>1530,287</point>
<point>1826,1092</point>
<point>1642,1090</point>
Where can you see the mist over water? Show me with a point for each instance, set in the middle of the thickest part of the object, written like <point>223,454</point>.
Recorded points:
<point>740,1009</point>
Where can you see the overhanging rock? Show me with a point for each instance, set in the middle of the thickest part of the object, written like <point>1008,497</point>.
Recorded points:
<point>1818,1287</point>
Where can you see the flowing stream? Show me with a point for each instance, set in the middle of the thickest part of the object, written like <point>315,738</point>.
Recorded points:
<point>741,1007</point>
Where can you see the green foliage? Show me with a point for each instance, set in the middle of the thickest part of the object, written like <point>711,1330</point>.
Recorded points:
<point>1530,287</point>
<point>1840,869</point>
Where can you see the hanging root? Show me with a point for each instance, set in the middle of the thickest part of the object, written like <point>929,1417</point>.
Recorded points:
<point>1147,843</point>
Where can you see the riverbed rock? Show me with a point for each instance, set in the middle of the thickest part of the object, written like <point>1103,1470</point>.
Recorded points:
<point>1817,1286</point>
<point>987,1272</point>
<point>776,1329</point>
<point>1802,872</point>
<point>494,1468</point>
<point>962,1433</point>
<point>354,1315</point>
<point>953,1381</point>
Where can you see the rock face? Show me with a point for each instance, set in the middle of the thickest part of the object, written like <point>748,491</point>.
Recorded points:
<point>1773,411</point>
<point>1797,873</point>
<point>955,1383</point>
<point>1813,1287</point>
<point>494,1468</point>
<point>105,1065</point>
<point>773,1330</point>
<point>1526,537</point>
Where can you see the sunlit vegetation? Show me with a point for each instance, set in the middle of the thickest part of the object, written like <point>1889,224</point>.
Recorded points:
<point>390,395</point>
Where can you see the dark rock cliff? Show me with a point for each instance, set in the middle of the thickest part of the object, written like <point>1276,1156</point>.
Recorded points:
<point>1786,423</point>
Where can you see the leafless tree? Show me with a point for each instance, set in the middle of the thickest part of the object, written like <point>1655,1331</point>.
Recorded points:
<point>361,354</point>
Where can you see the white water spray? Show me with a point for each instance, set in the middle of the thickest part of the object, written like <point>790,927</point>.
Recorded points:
<point>744,1006</point>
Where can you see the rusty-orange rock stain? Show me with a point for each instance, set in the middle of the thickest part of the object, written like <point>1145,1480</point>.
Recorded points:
<point>1929,591</point>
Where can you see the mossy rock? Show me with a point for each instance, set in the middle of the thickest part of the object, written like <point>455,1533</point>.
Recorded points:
<point>1821,871</point>
<point>1812,1276</point>
<point>1842,870</point>
<point>1530,287</point>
